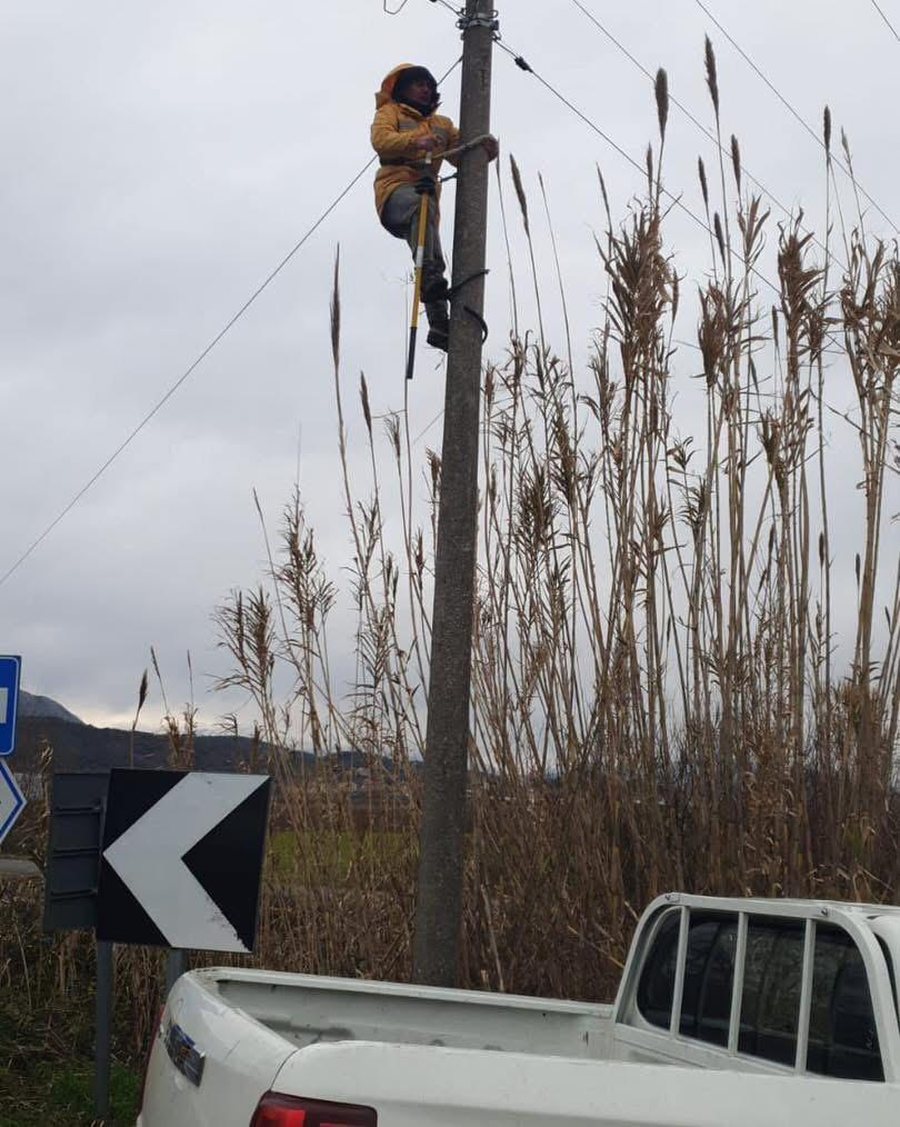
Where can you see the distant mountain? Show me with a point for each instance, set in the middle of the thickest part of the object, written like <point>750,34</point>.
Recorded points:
<point>42,723</point>
<point>82,747</point>
<point>32,706</point>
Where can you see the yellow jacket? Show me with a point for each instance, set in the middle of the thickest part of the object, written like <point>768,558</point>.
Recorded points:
<point>395,130</point>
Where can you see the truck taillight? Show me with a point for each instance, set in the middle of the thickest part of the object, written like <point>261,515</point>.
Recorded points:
<point>275,1110</point>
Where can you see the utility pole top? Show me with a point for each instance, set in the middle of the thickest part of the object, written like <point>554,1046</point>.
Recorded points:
<point>486,19</point>
<point>441,866</point>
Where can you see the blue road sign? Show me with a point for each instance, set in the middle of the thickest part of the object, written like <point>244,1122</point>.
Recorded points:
<point>9,702</point>
<point>12,801</point>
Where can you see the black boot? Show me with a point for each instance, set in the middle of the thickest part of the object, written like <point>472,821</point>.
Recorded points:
<point>438,316</point>
<point>435,289</point>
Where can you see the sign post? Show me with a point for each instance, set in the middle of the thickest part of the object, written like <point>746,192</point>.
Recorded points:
<point>103,1014</point>
<point>70,893</point>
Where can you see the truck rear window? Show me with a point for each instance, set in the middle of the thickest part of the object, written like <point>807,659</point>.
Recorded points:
<point>773,973</point>
<point>708,975</point>
<point>656,988</point>
<point>843,1039</point>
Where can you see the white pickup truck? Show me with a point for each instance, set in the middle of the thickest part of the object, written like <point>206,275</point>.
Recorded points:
<point>737,1012</point>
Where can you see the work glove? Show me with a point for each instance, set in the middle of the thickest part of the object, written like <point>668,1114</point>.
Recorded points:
<point>425,184</point>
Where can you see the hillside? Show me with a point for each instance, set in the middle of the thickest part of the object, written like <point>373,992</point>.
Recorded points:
<point>31,705</point>
<point>78,746</point>
<point>82,747</point>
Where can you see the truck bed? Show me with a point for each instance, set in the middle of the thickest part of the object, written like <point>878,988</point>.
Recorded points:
<point>307,1010</point>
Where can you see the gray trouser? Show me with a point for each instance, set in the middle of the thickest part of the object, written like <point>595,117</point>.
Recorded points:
<point>400,216</point>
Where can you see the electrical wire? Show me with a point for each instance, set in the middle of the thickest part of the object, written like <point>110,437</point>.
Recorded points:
<point>184,376</point>
<point>427,427</point>
<point>797,116</point>
<point>880,11</point>
<point>708,133</point>
<point>188,372</point>
<point>524,65</point>
<point>675,200</point>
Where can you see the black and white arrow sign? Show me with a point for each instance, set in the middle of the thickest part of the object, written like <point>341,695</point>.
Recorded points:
<point>182,857</point>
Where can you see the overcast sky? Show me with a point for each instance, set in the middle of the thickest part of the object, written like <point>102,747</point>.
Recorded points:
<point>162,158</point>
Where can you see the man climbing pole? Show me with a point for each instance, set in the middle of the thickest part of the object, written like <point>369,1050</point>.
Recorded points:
<point>411,138</point>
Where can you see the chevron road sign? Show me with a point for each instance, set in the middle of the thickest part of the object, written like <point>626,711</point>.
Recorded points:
<point>181,859</point>
<point>10,668</point>
<point>12,801</point>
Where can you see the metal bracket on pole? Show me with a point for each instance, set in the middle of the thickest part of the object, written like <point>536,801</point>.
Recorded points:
<point>489,21</point>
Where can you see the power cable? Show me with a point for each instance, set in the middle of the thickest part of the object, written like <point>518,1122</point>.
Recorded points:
<point>36,543</point>
<point>797,116</point>
<point>522,64</point>
<point>708,133</point>
<point>184,376</point>
<point>427,428</point>
<point>880,11</point>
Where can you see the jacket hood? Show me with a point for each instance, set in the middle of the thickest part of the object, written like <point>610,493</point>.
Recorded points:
<point>389,85</point>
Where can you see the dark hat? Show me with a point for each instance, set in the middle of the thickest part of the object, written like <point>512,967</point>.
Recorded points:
<point>413,74</point>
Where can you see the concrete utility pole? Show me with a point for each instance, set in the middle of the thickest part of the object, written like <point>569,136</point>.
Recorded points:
<point>439,907</point>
